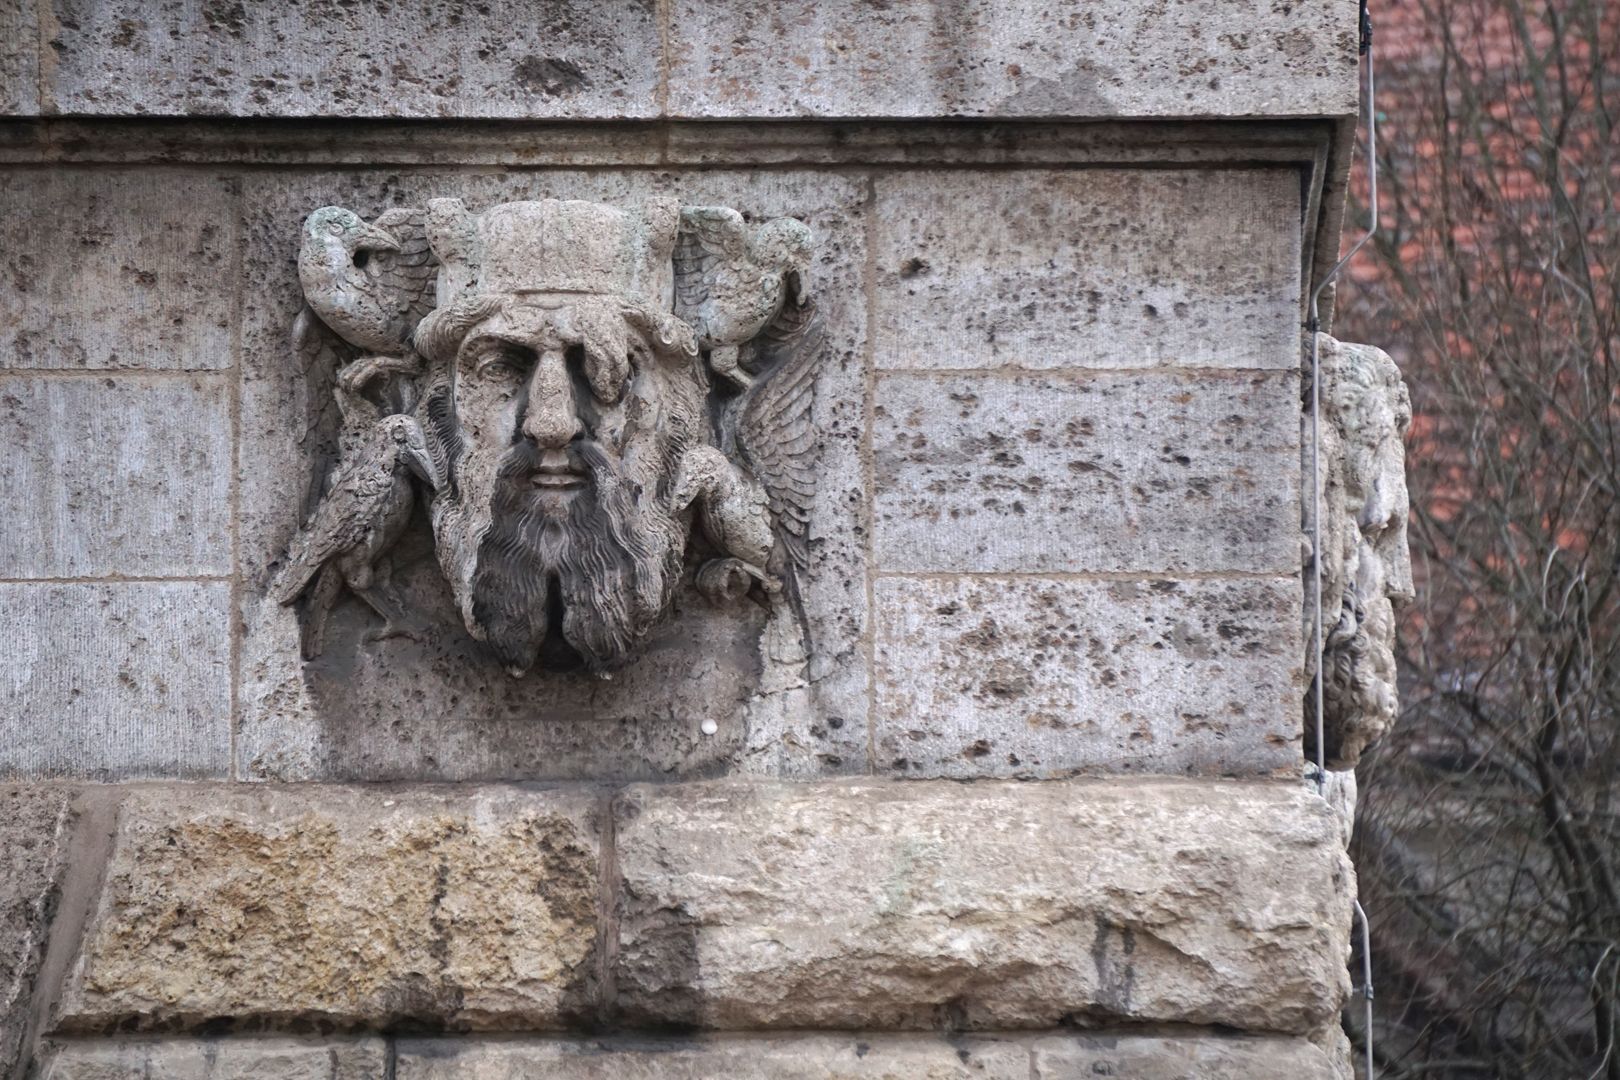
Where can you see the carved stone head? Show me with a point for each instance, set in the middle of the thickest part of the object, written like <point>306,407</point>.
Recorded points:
<point>561,376</point>
<point>1366,563</point>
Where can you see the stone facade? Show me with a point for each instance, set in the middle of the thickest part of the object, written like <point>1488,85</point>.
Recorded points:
<point>1013,787</point>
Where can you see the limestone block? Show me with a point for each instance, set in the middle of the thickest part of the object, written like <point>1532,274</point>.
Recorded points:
<point>882,905</point>
<point>116,269</point>
<point>1027,58</point>
<point>126,475</point>
<point>1144,1058</point>
<point>1113,472</point>
<point>507,58</point>
<point>1090,268</point>
<point>115,681</point>
<point>19,60</point>
<point>34,826</point>
<point>219,1059</point>
<point>1038,678</point>
<point>437,707</point>
<point>804,1057</point>
<point>473,908</point>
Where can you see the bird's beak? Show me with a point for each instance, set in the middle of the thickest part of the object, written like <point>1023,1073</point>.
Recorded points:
<point>375,239</point>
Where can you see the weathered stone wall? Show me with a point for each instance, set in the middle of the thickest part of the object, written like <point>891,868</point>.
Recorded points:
<point>1062,254</point>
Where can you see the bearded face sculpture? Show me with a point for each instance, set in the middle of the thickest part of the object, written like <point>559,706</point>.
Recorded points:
<point>1366,565</point>
<point>574,378</point>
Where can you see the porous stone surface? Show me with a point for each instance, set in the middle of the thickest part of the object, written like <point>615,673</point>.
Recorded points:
<point>806,1057</point>
<point>34,827</point>
<point>865,904</point>
<point>19,60</point>
<point>218,1059</point>
<point>506,58</point>
<point>1113,472</point>
<point>1145,1058</point>
<point>116,268</point>
<point>437,706</point>
<point>115,681</point>
<point>1124,58</point>
<point>1038,678</point>
<point>126,475</point>
<point>340,907</point>
<point>1089,268</point>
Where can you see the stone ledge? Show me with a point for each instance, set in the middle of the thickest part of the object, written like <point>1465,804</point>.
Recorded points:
<point>342,908</point>
<point>867,904</point>
<point>760,906</point>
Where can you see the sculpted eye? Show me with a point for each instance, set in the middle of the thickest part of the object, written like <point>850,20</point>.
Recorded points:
<point>504,363</point>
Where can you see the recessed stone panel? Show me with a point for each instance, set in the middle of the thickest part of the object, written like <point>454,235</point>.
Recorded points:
<point>115,681</point>
<point>332,907</point>
<point>127,475</point>
<point>219,1059</point>
<point>805,1057</point>
<point>117,269</point>
<point>437,706</point>
<point>1029,58</point>
<point>1026,677</point>
<point>881,905</point>
<point>422,58</point>
<point>1088,268</point>
<point>1113,472</point>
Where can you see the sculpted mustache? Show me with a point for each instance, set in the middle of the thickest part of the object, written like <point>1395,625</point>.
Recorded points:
<point>525,457</point>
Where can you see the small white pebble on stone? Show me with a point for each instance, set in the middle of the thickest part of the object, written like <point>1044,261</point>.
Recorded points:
<point>709,727</point>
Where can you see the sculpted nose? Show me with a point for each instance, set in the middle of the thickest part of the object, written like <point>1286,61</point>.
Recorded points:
<point>552,416</point>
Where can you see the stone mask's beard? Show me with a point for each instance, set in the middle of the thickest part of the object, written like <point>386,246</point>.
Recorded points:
<point>579,584</point>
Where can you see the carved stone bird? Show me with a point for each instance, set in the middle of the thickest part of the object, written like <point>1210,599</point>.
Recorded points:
<point>361,517</point>
<point>733,507</point>
<point>729,285</point>
<point>370,283</point>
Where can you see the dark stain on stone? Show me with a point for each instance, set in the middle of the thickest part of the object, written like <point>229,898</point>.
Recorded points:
<point>550,75</point>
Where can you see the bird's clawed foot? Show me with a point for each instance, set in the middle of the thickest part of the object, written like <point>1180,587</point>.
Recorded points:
<point>725,581</point>
<point>396,629</point>
<point>727,360</point>
<point>357,375</point>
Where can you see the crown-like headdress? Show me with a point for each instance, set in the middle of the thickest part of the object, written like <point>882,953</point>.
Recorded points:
<point>556,246</point>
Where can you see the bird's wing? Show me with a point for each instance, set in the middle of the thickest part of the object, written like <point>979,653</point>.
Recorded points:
<point>408,275</point>
<point>776,433</point>
<point>360,486</point>
<point>710,240</point>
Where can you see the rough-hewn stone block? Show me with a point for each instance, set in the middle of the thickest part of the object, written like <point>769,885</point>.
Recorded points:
<point>1110,472</point>
<point>115,681</point>
<point>34,824</point>
<point>1089,268</point>
<point>807,1057</point>
<point>219,1059</point>
<point>1030,58</point>
<point>1032,677</point>
<point>349,907</point>
<point>116,269</point>
<point>1146,1058</point>
<point>119,475</point>
<point>507,58</point>
<point>870,904</point>
<point>438,707</point>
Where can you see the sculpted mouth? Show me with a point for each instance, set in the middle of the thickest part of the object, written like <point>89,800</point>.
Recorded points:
<point>557,472</point>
